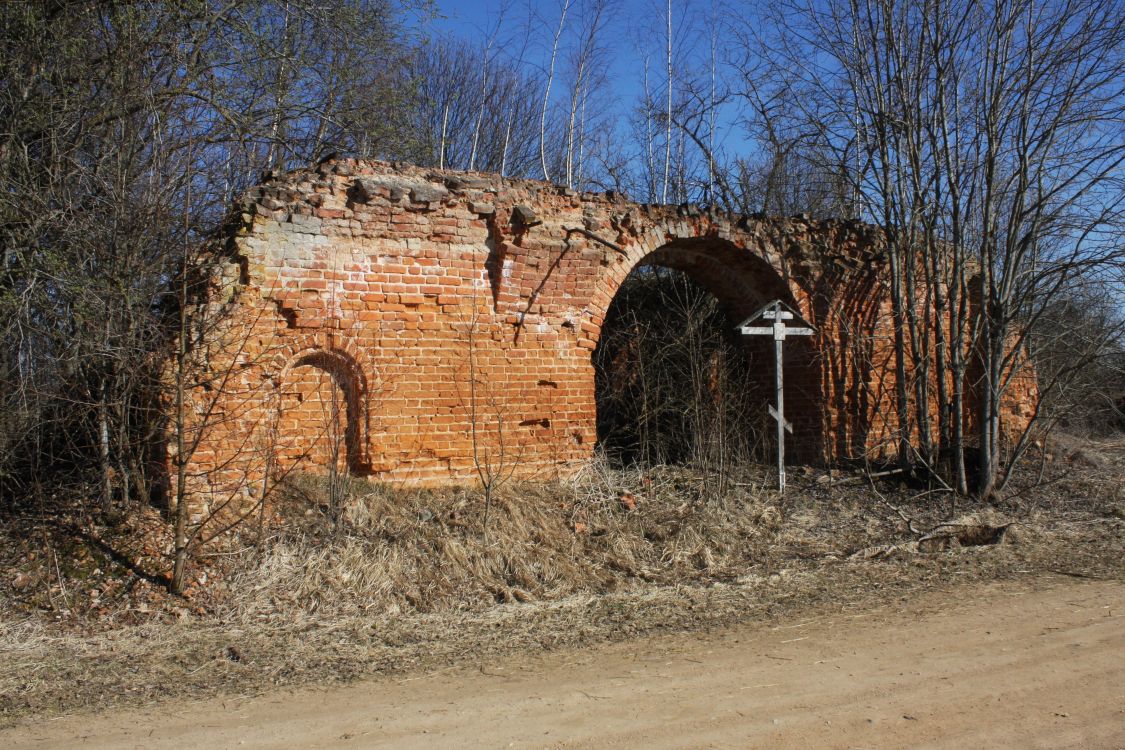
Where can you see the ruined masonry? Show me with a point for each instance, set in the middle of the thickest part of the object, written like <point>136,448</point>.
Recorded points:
<point>420,326</point>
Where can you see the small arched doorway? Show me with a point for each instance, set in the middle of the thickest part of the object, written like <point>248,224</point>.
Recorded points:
<point>322,415</point>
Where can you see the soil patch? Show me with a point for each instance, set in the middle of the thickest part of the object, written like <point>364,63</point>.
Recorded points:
<point>992,665</point>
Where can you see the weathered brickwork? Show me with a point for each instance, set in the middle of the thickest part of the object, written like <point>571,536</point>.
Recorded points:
<point>419,326</point>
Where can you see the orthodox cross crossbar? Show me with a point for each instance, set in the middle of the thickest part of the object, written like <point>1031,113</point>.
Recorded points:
<point>778,312</point>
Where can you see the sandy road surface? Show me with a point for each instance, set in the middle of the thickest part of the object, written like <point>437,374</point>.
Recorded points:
<point>980,666</point>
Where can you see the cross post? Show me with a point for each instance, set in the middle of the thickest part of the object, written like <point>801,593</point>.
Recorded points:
<point>777,312</point>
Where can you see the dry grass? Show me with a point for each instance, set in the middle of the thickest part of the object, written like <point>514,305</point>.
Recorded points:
<point>409,580</point>
<point>417,551</point>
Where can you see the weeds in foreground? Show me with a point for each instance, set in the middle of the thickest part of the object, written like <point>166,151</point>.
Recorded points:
<point>407,582</point>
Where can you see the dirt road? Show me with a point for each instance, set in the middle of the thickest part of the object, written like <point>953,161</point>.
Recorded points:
<point>981,666</point>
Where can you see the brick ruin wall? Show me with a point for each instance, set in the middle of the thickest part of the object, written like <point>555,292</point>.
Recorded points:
<point>415,326</point>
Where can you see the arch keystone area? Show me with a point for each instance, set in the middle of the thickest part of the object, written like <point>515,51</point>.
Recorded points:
<point>424,276</point>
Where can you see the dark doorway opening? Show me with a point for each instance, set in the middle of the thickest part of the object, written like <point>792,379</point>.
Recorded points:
<point>675,381</point>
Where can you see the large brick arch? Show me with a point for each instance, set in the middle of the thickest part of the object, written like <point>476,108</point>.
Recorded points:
<point>742,282</point>
<point>479,300</point>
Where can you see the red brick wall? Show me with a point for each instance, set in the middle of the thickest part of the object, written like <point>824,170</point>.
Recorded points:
<point>399,321</point>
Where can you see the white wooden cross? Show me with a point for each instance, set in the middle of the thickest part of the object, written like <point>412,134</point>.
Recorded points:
<point>778,312</point>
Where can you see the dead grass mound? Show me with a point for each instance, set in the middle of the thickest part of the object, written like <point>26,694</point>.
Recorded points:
<point>422,551</point>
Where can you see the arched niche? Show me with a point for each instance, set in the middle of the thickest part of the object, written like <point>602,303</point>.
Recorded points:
<point>322,415</point>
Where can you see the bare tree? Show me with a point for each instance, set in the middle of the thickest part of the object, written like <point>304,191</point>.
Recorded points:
<point>547,89</point>
<point>587,62</point>
<point>466,115</point>
<point>668,101</point>
<point>125,139</point>
<point>989,145</point>
<point>495,456</point>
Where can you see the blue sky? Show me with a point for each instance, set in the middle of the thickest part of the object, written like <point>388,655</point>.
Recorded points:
<point>636,28</point>
<point>476,19</point>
